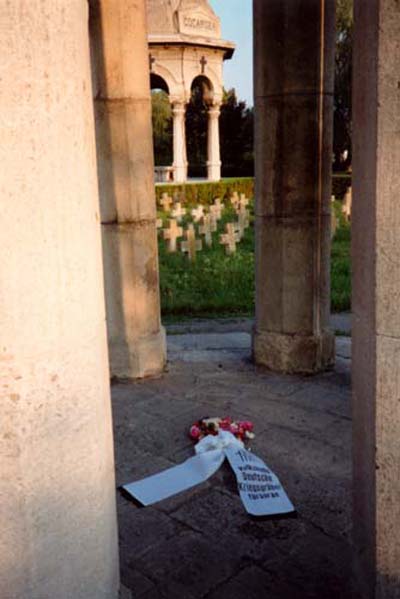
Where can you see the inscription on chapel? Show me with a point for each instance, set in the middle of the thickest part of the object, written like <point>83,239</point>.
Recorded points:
<point>198,24</point>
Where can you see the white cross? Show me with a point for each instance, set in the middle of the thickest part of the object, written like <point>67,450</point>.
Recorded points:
<point>234,199</point>
<point>230,238</point>
<point>213,221</point>
<point>166,202</point>
<point>171,234</point>
<point>243,221</point>
<point>346,206</point>
<point>159,223</point>
<point>177,211</point>
<point>206,229</point>
<point>191,245</point>
<point>217,208</point>
<point>243,201</point>
<point>198,213</point>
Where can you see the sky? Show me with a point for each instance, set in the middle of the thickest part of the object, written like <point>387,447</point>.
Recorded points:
<point>237,27</point>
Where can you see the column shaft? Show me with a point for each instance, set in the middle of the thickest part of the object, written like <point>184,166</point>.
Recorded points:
<point>57,488</point>
<point>294,50</point>
<point>376,297</point>
<point>179,142</point>
<point>126,184</point>
<point>213,150</point>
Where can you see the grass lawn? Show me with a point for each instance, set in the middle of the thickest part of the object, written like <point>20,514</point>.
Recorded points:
<point>220,285</point>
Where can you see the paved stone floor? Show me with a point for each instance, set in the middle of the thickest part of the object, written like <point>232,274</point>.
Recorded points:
<point>202,544</point>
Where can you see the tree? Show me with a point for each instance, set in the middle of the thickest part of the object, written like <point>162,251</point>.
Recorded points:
<point>236,133</point>
<point>343,77</point>
<point>162,128</point>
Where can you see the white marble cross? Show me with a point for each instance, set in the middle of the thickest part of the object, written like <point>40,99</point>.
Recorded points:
<point>217,208</point>
<point>159,223</point>
<point>243,221</point>
<point>197,213</point>
<point>206,229</point>
<point>166,202</point>
<point>230,238</point>
<point>234,199</point>
<point>243,201</point>
<point>191,245</point>
<point>346,206</point>
<point>213,221</point>
<point>171,234</point>
<point>177,211</point>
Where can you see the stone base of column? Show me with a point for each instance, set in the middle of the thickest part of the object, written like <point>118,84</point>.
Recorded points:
<point>147,356</point>
<point>214,171</point>
<point>294,353</point>
<point>180,174</point>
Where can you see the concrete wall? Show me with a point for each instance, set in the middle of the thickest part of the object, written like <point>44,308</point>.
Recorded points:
<point>376,297</point>
<point>293,75</point>
<point>126,183</point>
<point>57,493</point>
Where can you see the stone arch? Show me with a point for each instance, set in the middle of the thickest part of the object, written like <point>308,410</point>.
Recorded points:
<point>158,82</point>
<point>206,86</point>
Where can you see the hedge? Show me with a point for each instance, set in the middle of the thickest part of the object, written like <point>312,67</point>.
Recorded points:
<point>204,192</point>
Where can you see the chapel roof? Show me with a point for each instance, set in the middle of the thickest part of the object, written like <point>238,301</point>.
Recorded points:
<point>188,22</point>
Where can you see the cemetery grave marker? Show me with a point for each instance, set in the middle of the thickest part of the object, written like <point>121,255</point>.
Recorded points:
<point>230,238</point>
<point>159,223</point>
<point>171,234</point>
<point>217,208</point>
<point>166,202</point>
<point>234,200</point>
<point>243,202</point>
<point>177,212</point>
<point>243,221</point>
<point>191,245</point>
<point>346,208</point>
<point>198,213</point>
<point>206,229</point>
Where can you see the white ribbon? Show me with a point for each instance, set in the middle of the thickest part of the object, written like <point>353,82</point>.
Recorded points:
<point>260,490</point>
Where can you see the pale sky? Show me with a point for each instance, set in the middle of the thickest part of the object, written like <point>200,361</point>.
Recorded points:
<point>237,27</point>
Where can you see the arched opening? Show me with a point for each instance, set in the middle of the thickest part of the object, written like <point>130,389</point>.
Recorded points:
<point>196,123</point>
<point>162,127</point>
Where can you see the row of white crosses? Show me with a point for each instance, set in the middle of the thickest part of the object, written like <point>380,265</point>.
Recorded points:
<point>207,225</point>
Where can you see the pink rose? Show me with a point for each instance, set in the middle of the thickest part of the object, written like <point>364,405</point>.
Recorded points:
<point>234,428</point>
<point>195,432</point>
<point>246,425</point>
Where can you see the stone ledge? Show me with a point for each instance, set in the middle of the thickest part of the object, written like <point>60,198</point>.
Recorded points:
<point>148,359</point>
<point>294,353</point>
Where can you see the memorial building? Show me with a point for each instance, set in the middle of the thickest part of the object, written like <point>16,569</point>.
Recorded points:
<point>185,48</point>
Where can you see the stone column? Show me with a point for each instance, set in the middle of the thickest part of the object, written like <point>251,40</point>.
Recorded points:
<point>376,297</point>
<point>213,153</point>
<point>294,51</point>
<point>179,141</point>
<point>57,488</point>
<point>126,182</point>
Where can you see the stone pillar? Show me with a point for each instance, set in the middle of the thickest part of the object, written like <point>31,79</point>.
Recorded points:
<point>179,141</point>
<point>126,182</point>
<point>213,153</point>
<point>376,297</point>
<point>294,51</point>
<point>57,488</point>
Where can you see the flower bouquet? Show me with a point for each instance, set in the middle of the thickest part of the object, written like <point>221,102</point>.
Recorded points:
<point>242,429</point>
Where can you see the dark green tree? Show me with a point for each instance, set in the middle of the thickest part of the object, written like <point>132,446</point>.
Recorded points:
<point>236,133</point>
<point>162,128</point>
<point>343,76</point>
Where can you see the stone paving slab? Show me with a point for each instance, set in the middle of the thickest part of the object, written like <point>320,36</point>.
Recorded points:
<point>201,544</point>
